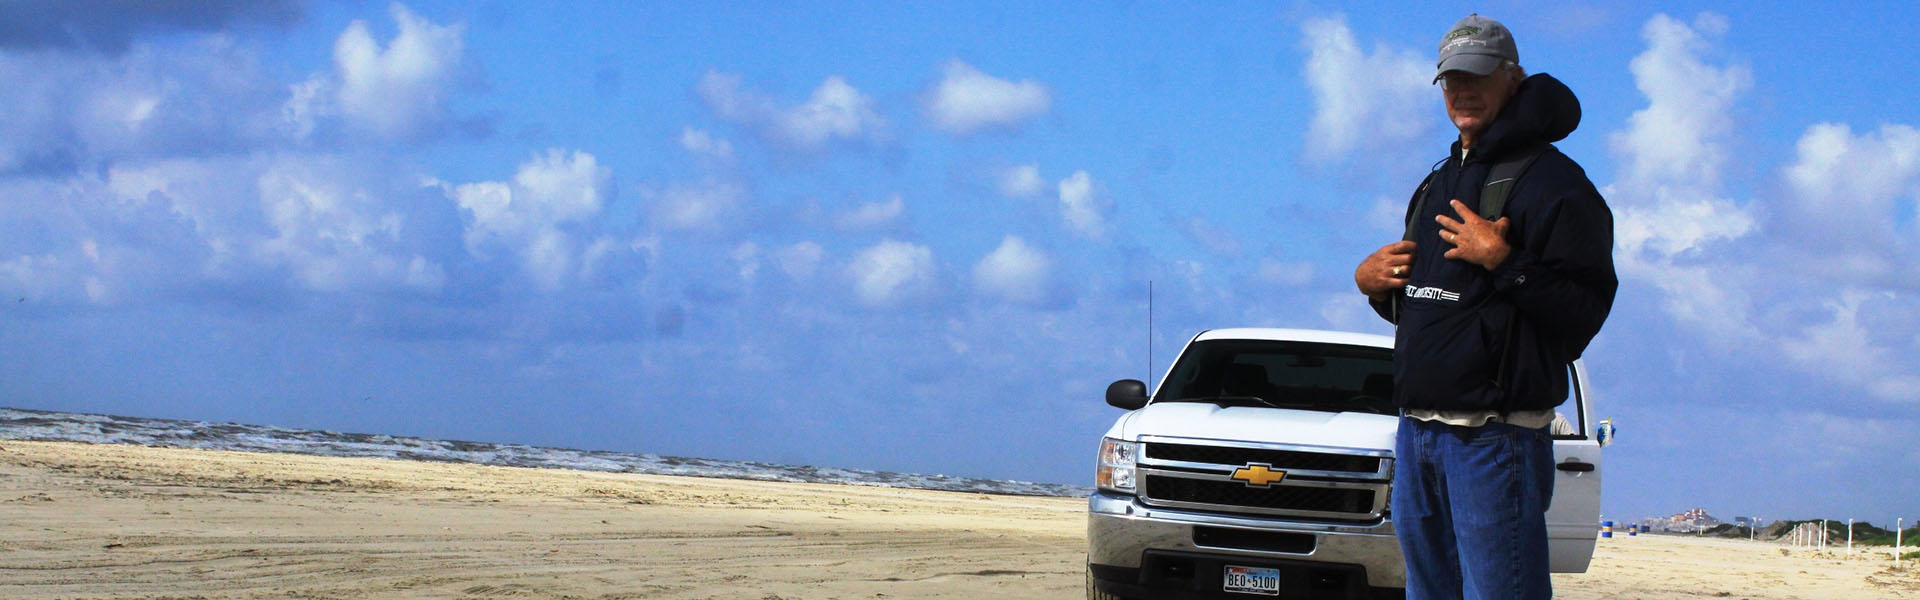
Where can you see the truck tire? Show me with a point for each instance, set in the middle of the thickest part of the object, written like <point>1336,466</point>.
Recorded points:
<point>1094,593</point>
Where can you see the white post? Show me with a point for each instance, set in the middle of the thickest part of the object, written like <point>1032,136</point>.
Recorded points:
<point>1849,537</point>
<point>1897,524</point>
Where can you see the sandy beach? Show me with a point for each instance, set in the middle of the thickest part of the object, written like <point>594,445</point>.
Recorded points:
<point>112,521</point>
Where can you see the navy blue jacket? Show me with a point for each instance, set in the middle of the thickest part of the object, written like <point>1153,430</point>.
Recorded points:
<point>1454,316</point>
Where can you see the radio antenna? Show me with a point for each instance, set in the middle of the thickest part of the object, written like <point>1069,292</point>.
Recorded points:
<point>1149,334</point>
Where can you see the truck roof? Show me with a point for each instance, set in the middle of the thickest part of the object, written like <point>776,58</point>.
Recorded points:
<point>1297,335</point>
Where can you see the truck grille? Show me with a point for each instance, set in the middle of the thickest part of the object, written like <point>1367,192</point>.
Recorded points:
<point>1325,484</point>
<point>1279,497</point>
<point>1279,459</point>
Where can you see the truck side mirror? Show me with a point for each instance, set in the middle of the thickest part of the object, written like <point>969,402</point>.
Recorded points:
<point>1129,394</point>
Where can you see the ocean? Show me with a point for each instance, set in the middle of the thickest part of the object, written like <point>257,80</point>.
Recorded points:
<point>22,424</point>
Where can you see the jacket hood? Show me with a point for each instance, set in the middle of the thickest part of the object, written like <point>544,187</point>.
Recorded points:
<point>1544,111</point>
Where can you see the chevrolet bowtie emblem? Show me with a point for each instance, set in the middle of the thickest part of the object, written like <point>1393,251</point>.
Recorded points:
<point>1258,475</point>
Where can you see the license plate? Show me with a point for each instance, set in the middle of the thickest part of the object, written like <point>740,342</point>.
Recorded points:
<point>1252,580</point>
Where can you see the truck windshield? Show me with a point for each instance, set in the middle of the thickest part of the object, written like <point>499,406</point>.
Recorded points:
<point>1303,375</point>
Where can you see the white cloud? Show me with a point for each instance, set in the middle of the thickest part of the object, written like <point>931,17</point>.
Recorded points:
<point>703,145</point>
<point>67,113</point>
<point>528,214</point>
<point>873,215</point>
<point>1342,312</point>
<point>1681,135</point>
<point>892,273</point>
<point>1022,181</point>
<point>1822,289</point>
<point>546,191</point>
<point>799,261</point>
<point>45,277</point>
<point>399,91</point>
<point>1844,352</point>
<point>1015,272</point>
<point>1850,192</point>
<point>1677,220</point>
<point>1084,205</point>
<point>1383,98</point>
<point>835,114</point>
<point>336,235</point>
<point>1664,213</point>
<point>701,207</point>
<point>746,255</point>
<point>967,100</point>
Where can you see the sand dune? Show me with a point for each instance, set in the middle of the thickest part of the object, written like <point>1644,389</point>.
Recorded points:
<point>105,521</point>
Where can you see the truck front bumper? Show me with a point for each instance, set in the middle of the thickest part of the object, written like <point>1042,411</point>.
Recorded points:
<point>1128,542</point>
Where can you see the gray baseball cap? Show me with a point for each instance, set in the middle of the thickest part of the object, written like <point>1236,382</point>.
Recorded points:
<point>1477,45</point>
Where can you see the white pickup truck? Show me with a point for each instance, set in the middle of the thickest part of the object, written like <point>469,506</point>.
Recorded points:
<point>1262,464</point>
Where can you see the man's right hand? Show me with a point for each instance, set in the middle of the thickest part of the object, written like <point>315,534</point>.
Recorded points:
<point>1385,271</point>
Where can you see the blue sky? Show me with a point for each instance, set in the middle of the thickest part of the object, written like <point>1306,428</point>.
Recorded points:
<point>918,236</point>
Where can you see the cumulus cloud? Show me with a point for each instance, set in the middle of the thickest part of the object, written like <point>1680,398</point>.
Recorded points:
<point>530,215</point>
<point>707,206</point>
<point>1849,192</point>
<point>1680,135</point>
<point>96,247</point>
<point>71,112</point>
<point>703,145</point>
<point>111,26</point>
<point>396,91</point>
<point>1662,214</point>
<point>1852,206</point>
<point>1021,182</point>
<point>1361,99</point>
<point>1084,205</point>
<point>1823,289</point>
<point>967,100</point>
<point>892,273</point>
<point>1849,351</point>
<point>334,235</point>
<point>239,231</point>
<point>836,114</point>
<point>1016,272</point>
<point>1674,219</point>
<point>873,215</point>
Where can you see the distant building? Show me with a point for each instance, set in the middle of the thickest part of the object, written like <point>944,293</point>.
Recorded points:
<point>1692,521</point>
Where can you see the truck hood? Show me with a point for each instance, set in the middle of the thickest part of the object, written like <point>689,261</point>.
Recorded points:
<point>1198,420</point>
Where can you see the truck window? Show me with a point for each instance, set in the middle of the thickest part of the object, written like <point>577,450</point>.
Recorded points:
<point>1303,375</point>
<point>1572,412</point>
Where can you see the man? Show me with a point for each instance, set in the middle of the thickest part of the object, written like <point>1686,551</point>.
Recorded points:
<point>1489,313</point>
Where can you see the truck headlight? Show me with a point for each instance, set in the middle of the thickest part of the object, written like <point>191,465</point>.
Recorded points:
<point>1117,462</point>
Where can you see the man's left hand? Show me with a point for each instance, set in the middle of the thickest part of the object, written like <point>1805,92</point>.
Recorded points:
<point>1475,240</point>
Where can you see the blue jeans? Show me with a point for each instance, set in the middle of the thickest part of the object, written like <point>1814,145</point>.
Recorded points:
<point>1470,507</point>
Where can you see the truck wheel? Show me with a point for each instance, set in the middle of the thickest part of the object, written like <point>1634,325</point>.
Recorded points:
<point>1094,593</point>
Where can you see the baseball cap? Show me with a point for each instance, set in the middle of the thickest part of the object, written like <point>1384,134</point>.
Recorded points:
<point>1477,45</point>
